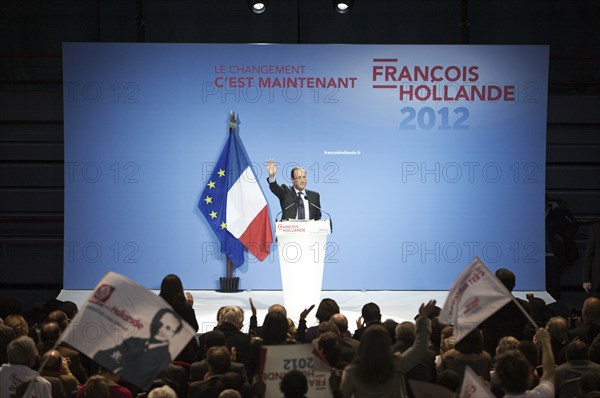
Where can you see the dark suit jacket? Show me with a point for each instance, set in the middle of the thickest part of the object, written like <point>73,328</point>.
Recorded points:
<point>591,261</point>
<point>287,199</point>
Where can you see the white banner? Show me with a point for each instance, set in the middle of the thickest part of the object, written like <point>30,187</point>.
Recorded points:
<point>128,329</point>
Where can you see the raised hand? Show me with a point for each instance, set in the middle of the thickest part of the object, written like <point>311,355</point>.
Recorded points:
<point>306,311</point>
<point>271,168</point>
<point>427,309</point>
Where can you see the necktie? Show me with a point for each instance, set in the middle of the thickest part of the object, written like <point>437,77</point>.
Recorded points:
<point>301,215</point>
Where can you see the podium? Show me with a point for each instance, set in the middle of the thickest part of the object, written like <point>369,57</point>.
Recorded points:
<point>301,258</point>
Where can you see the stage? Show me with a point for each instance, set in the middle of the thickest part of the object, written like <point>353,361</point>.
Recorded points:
<point>395,304</point>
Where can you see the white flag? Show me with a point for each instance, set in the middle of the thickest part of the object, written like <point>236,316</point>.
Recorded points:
<point>473,387</point>
<point>475,295</point>
<point>128,330</point>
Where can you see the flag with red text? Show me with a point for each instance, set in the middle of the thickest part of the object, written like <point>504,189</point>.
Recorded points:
<point>475,295</point>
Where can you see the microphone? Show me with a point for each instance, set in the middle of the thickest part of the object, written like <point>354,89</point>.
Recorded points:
<point>281,212</point>
<point>329,215</point>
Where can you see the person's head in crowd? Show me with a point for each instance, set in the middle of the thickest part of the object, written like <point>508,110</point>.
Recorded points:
<point>327,327</point>
<point>507,277</point>
<point>219,311</point>
<point>69,308</point>
<point>330,347</point>
<point>232,381</point>
<point>404,336</point>
<point>449,379</point>
<point>370,313</point>
<point>576,350</point>
<point>18,323</point>
<point>446,339</point>
<point>275,328</point>
<point>21,351</point>
<point>214,338</point>
<point>218,359</point>
<point>164,326</point>
<point>514,372</point>
<point>327,308</point>
<point>162,392</point>
<point>50,332</point>
<point>277,308</point>
<point>294,384</point>
<point>507,343</point>
<point>529,349</point>
<point>53,360</point>
<point>558,328</point>
<point>60,318</point>
<point>97,387</point>
<point>341,321</point>
<point>171,290</point>
<point>591,310</point>
<point>589,381</point>
<point>472,343</point>
<point>228,393</point>
<point>233,315</point>
<point>374,357</point>
<point>390,326</point>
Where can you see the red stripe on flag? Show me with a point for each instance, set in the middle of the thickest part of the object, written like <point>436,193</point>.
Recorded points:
<point>258,236</point>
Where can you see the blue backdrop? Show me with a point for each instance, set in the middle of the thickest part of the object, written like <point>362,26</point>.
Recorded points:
<point>425,156</point>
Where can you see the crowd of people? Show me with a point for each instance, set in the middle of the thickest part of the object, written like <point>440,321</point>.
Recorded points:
<point>558,357</point>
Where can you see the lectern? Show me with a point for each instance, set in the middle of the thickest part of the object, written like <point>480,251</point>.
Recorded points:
<point>301,258</point>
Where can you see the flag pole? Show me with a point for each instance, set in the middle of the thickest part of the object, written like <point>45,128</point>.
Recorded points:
<point>229,284</point>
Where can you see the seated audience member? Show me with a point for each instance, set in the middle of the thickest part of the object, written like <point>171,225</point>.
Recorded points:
<point>558,327</point>
<point>111,379</point>
<point>294,384</point>
<point>21,355</point>
<point>507,343</point>
<point>230,393</point>
<point>60,318</point>
<point>376,371</point>
<point>348,345</point>
<point>97,387</point>
<point>515,373</point>
<point>57,367</point>
<point>255,330</point>
<point>424,370</point>
<point>162,392</point>
<point>469,351</point>
<point>327,308</point>
<point>216,338</point>
<point>590,315</point>
<point>219,362</point>
<point>508,320</point>
<point>69,308</point>
<point>330,348</point>
<point>50,333</point>
<point>390,326</point>
<point>370,315</point>
<point>588,382</point>
<point>18,323</point>
<point>577,363</point>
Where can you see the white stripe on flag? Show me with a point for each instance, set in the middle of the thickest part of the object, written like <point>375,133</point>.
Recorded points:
<point>244,201</point>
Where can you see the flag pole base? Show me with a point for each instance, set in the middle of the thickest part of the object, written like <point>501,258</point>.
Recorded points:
<point>229,285</point>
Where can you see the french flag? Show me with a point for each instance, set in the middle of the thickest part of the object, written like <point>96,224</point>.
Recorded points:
<point>235,206</point>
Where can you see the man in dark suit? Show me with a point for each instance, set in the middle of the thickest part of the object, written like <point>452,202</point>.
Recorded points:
<point>591,261</point>
<point>296,201</point>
